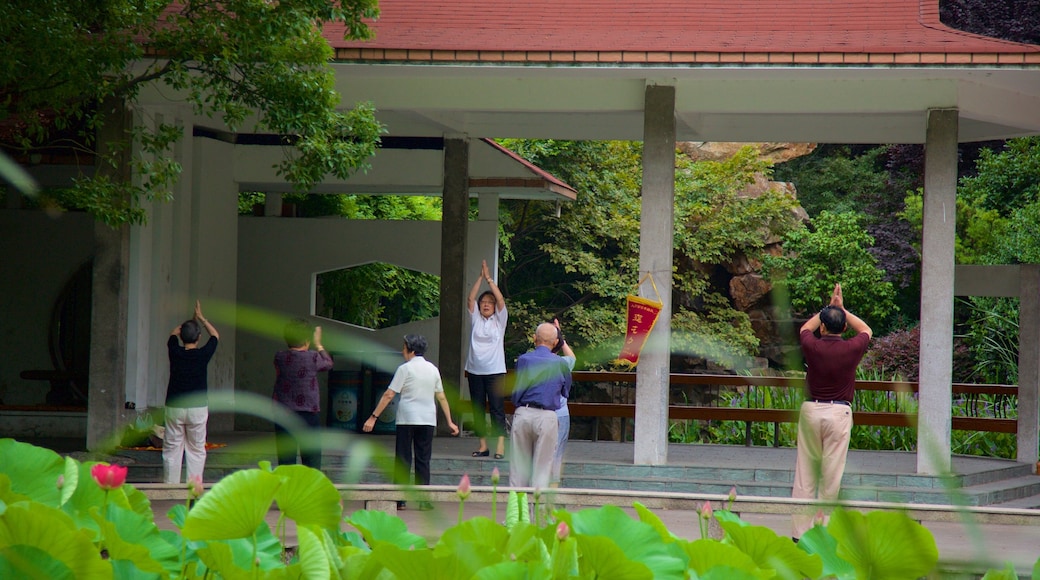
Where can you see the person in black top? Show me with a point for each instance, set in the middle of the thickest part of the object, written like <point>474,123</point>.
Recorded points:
<point>187,411</point>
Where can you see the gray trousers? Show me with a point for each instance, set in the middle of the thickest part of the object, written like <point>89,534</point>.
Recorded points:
<point>533,445</point>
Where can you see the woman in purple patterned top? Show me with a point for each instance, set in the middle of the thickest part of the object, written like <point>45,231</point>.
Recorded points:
<point>296,388</point>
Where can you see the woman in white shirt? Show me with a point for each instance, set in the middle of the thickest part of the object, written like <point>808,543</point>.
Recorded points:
<point>486,362</point>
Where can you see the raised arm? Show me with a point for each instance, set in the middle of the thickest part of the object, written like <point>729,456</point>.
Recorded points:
<point>500,302</point>
<point>471,300</point>
<point>202,319</point>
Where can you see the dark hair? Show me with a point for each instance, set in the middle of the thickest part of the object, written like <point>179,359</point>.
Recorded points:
<point>190,331</point>
<point>415,343</point>
<point>487,293</point>
<point>833,318</point>
<point>297,332</point>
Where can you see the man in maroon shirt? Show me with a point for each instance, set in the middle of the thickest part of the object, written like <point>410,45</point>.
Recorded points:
<point>825,419</point>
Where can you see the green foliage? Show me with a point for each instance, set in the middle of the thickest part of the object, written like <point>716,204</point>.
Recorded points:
<point>1018,240</point>
<point>991,333</point>
<point>836,180</point>
<point>1006,179</point>
<point>978,230</point>
<point>591,251</point>
<point>72,68</point>
<point>41,535</point>
<point>378,295</point>
<point>833,250</point>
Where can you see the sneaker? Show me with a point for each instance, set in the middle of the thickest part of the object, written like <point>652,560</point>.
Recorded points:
<point>425,506</point>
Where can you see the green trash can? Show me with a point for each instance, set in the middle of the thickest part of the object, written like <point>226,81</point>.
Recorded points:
<point>374,384</point>
<point>345,390</point>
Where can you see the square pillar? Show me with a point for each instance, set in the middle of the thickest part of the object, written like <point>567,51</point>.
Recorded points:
<point>937,273</point>
<point>1028,364</point>
<point>454,229</point>
<point>656,235</point>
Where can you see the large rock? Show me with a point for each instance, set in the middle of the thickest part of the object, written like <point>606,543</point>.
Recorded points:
<point>717,151</point>
<point>749,292</point>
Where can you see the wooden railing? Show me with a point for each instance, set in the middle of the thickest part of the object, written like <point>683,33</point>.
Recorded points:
<point>750,414</point>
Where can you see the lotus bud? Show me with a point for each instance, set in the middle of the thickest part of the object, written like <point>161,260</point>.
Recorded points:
<point>194,487</point>
<point>463,490</point>
<point>706,511</point>
<point>562,531</point>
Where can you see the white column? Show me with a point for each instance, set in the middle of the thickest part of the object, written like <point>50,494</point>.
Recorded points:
<point>937,269</point>
<point>213,274</point>
<point>655,255</point>
<point>1028,363</point>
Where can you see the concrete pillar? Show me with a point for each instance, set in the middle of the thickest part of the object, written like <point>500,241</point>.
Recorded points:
<point>273,204</point>
<point>213,271</point>
<point>1028,364</point>
<point>937,274</point>
<point>454,229</point>
<point>110,287</point>
<point>655,256</point>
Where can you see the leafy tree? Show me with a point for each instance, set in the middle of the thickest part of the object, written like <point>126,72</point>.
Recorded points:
<point>1006,179</point>
<point>978,230</point>
<point>591,252</point>
<point>834,249</point>
<point>70,64</point>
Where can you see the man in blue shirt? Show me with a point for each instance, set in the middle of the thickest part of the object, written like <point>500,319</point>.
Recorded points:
<point>542,378</point>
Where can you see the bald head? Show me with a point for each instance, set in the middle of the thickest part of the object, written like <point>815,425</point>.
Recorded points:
<point>545,335</point>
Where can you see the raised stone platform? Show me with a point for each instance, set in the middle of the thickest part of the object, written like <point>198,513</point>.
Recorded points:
<point>871,476</point>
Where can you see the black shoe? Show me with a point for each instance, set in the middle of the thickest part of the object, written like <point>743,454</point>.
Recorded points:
<point>499,456</point>
<point>483,453</point>
<point>402,505</point>
<point>425,506</point>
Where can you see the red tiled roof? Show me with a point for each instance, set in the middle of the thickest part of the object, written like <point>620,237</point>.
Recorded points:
<point>585,30</point>
<point>547,180</point>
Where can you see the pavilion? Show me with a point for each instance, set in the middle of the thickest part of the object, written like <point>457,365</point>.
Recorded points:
<point>445,76</point>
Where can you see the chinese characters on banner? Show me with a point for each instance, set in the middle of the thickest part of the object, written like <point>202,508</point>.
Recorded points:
<point>642,314</point>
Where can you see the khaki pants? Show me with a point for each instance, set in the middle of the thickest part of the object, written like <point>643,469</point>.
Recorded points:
<point>824,430</point>
<point>532,448</point>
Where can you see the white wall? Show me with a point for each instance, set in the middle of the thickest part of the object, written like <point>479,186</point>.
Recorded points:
<point>278,259</point>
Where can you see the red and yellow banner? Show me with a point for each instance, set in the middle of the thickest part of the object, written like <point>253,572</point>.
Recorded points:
<point>642,315</point>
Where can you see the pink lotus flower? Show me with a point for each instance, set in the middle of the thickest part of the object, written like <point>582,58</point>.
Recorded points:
<point>61,481</point>
<point>495,476</point>
<point>109,477</point>
<point>562,531</point>
<point>194,487</point>
<point>463,490</point>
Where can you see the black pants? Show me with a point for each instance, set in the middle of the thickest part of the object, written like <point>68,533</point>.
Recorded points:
<point>287,445</point>
<point>486,391</point>
<point>417,439</point>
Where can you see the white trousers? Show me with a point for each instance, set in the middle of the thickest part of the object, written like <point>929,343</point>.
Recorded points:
<point>824,430</point>
<point>533,445</point>
<point>185,437</point>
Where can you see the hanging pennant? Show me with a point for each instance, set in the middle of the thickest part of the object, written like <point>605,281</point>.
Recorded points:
<point>642,315</point>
